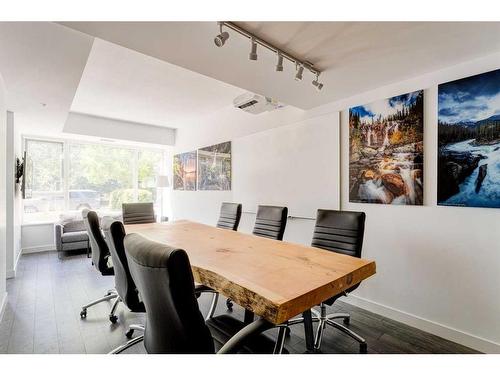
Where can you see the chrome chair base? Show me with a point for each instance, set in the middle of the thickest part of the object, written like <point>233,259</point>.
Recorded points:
<point>134,327</point>
<point>325,319</point>
<point>127,345</point>
<point>111,294</point>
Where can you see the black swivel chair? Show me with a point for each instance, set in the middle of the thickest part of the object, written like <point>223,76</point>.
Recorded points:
<point>100,260</point>
<point>138,213</point>
<point>114,233</point>
<point>174,323</point>
<point>269,223</point>
<point>230,216</point>
<point>341,232</point>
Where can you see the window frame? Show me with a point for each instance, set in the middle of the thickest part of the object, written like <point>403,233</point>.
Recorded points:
<point>67,142</point>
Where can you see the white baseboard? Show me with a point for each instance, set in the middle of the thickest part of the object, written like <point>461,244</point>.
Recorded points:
<point>3,303</point>
<point>38,249</point>
<point>12,273</point>
<point>452,334</point>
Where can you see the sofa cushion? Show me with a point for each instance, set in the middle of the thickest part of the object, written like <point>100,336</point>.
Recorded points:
<point>74,236</point>
<point>71,223</point>
<point>81,245</point>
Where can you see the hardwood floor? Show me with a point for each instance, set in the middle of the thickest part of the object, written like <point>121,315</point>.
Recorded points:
<point>44,302</point>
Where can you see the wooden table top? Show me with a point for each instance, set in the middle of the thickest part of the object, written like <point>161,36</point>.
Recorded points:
<point>275,279</point>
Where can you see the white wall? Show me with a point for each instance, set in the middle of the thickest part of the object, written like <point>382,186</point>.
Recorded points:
<point>14,201</point>
<point>438,268</point>
<point>3,154</point>
<point>279,166</point>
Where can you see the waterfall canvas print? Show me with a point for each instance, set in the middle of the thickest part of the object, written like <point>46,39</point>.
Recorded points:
<point>386,151</point>
<point>214,167</point>
<point>469,141</point>
<point>185,171</point>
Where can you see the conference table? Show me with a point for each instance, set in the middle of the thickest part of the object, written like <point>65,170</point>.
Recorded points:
<point>275,280</point>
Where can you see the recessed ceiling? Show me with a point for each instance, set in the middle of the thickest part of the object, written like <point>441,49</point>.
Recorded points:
<point>355,56</point>
<point>41,64</point>
<point>124,84</point>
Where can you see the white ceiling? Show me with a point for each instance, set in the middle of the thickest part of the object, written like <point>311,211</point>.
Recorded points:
<point>41,62</point>
<point>355,56</point>
<point>123,84</point>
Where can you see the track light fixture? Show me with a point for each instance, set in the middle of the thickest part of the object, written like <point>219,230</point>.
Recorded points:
<point>220,39</point>
<point>300,65</point>
<point>253,51</point>
<point>317,84</point>
<point>300,71</point>
<point>279,65</point>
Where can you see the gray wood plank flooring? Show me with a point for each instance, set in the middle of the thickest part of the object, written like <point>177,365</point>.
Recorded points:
<point>44,302</point>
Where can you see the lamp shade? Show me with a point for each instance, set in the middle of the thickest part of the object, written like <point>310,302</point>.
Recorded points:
<point>162,181</point>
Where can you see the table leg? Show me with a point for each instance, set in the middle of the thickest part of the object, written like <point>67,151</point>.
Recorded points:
<point>249,316</point>
<point>308,330</point>
<point>255,328</point>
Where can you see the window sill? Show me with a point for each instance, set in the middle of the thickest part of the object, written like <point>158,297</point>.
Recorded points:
<point>38,223</point>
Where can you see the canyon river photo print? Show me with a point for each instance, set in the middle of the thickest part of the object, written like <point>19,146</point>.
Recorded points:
<point>469,141</point>
<point>386,151</point>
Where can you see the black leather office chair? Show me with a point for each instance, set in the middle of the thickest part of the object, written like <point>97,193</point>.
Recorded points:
<point>138,213</point>
<point>174,323</point>
<point>270,222</point>
<point>230,216</point>
<point>341,232</point>
<point>114,233</point>
<point>100,260</point>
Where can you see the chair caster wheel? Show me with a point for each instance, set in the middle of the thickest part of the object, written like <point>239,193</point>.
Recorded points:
<point>229,305</point>
<point>83,314</point>
<point>347,320</point>
<point>129,333</point>
<point>113,319</point>
<point>363,348</point>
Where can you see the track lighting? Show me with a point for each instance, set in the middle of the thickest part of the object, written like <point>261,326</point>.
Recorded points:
<point>300,65</point>
<point>300,70</point>
<point>279,65</point>
<point>317,84</point>
<point>253,52</point>
<point>220,39</point>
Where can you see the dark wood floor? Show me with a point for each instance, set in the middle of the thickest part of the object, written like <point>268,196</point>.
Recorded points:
<point>44,302</point>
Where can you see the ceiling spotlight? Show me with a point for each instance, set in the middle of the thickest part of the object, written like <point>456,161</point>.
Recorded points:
<point>279,65</point>
<point>220,39</point>
<point>317,84</point>
<point>253,52</point>
<point>300,70</point>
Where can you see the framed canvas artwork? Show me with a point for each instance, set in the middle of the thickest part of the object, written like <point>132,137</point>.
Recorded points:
<point>386,151</point>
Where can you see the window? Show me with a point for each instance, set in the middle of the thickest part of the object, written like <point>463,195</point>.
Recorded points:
<point>44,180</point>
<point>69,176</point>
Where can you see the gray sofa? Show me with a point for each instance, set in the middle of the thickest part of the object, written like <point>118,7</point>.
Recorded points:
<point>70,235</point>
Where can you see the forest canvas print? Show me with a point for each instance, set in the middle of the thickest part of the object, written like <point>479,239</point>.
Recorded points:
<point>469,141</point>
<point>214,167</point>
<point>386,151</point>
<point>185,171</point>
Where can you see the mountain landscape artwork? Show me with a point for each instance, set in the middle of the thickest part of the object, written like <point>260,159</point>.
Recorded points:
<point>386,151</point>
<point>469,141</point>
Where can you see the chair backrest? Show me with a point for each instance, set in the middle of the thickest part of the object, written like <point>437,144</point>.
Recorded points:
<point>114,233</point>
<point>163,275</point>
<point>100,250</point>
<point>270,222</point>
<point>138,213</point>
<point>230,215</point>
<point>339,231</point>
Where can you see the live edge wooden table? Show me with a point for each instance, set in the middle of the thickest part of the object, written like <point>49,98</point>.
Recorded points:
<point>276,280</point>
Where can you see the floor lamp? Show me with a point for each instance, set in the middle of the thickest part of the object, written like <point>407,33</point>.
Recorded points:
<point>161,183</point>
